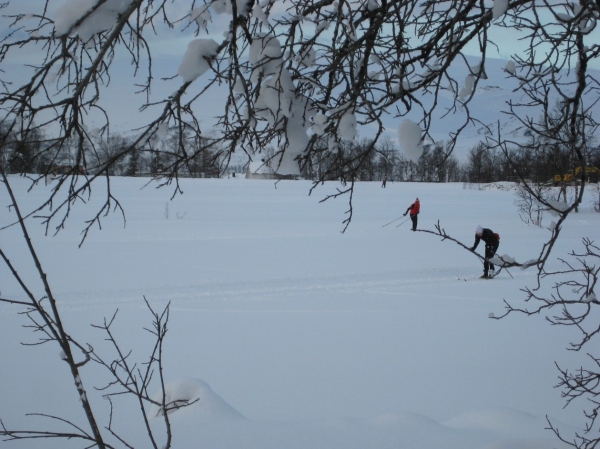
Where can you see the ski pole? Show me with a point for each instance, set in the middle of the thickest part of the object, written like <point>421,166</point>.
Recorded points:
<point>391,222</point>
<point>403,222</point>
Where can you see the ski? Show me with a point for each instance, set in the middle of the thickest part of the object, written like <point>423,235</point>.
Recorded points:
<point>477,278</point>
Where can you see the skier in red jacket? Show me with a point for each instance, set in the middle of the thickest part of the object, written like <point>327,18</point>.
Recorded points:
<point>414,210</point>
<point>492,241</point>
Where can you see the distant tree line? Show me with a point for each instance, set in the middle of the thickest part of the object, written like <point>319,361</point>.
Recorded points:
<point>36,153</point>
<point>539,160</point>
<point>355,162</point>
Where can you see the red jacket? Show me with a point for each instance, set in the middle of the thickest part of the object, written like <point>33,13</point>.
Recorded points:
<point>414,208</point>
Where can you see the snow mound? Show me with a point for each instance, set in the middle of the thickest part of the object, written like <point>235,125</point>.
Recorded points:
<point>207,406</point>
<point>510,422</point>
<point>529,443</point>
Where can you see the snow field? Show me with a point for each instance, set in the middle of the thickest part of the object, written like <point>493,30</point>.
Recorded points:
<point>378,337</point>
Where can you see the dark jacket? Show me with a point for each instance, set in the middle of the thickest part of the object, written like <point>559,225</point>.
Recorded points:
<point>487,236</point>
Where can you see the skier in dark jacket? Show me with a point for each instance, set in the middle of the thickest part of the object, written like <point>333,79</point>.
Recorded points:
<point>414,210</point>
<point>492,241</point>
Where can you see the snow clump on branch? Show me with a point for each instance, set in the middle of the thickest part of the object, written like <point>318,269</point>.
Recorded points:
<point>201,16</point>
<point>467,88</point>
<point>225,7</point>
<point>409,135</point>
<point>319,123</point>
<point>278,98</point>
<point>194,62</point>
<point>265,56</point>
<point>511,67</point>
<point>590,298</point>
<point>101,19</point>
<point>503,260</point>
<point>499,8</point>
<point>347,126</point>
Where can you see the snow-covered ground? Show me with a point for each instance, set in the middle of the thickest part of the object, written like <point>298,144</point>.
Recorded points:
<point>293,334</point>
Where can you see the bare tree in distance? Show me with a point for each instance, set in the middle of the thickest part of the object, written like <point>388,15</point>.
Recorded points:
<point>596,196</point>
<point>297,74</point>
<point>530,210</point>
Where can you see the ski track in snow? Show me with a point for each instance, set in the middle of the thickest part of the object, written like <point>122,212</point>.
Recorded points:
<point>371,287</point>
